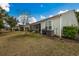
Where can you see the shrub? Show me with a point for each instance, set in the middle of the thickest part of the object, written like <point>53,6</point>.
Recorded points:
<point>70,32</point>
<point>1,24</point>
<point>78,30</point>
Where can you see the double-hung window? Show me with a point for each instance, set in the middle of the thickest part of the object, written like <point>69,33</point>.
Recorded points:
<point>49,25</point>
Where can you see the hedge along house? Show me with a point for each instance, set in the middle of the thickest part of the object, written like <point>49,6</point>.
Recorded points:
<point>55,24</point>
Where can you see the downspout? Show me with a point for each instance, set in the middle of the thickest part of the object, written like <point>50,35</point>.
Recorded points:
<point>60,35</point>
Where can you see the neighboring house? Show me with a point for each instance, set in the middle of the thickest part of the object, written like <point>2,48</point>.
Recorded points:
<point>56,23</point>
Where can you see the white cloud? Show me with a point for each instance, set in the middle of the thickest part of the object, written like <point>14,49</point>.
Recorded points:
<point>32,20</point>
<point>77,10</point>
<point>5,6</point>
<point>62,11</point>
<point>50,15</point>
<point>42,17</point>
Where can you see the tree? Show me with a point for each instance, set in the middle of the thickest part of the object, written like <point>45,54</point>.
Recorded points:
<point>1,24</point>
<point>77,15</point>
<point>2,14</point>
<point>5,16</point>
<point>11,21</point>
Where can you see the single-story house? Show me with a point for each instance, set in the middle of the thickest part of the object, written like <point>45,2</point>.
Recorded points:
<point>56,23</point>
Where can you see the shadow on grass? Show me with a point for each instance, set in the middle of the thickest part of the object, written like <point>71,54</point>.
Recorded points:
<point>25,35</point>
<point>3,33</point>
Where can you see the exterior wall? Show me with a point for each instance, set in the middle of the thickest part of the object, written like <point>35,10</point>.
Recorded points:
<point>32,27</point>
<point>69,19</point>
<point>59,21</point>
<point>56,25</point>
<point>35,27</point>
<point>43,24</point>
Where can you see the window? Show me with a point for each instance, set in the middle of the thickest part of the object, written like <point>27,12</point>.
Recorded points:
<point>48,25</point>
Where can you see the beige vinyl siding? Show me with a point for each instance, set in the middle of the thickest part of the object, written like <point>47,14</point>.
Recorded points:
<point>69,19</point>
<point>43,25</point>
<point>56,25</point>
<point>59,21</point>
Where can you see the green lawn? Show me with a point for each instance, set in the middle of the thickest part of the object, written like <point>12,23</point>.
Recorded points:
<point>21,43</point>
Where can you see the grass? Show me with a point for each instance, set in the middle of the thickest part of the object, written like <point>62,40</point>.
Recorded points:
<point>24,44</point>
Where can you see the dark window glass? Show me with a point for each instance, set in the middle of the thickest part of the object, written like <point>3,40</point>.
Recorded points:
<point>50,27</point>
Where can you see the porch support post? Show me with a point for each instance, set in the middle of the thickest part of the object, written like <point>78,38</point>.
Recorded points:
<point>60,27</point>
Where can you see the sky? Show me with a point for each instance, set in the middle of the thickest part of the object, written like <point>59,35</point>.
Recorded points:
<point>38,10</point>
